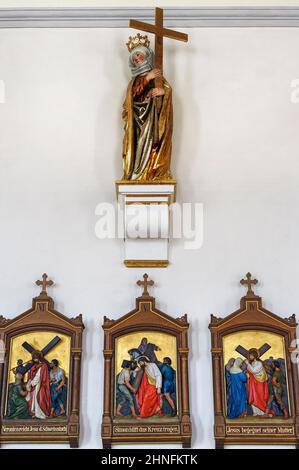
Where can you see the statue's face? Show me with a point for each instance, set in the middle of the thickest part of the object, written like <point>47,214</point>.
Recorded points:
<point>138,58</point>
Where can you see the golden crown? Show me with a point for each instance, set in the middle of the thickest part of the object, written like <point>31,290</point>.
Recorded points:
<point>137,41</point>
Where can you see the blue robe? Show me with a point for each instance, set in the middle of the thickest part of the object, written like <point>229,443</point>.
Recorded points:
<point>60,397</point>
<point>237,402</point>
<point>168,378</point>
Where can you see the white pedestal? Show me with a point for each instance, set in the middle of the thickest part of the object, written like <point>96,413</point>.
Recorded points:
<point>146,221</point>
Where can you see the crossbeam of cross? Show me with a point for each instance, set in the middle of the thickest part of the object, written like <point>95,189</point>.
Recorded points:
<point>160,32</point>
<point>261,351</point>
<point>29,348</point>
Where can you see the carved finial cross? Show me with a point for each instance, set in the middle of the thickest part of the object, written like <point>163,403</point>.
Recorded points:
<point>145,283</point>
<point>44,283</point>
<point>249,282</point>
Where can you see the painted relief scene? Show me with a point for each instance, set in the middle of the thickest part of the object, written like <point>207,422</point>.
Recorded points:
<point>38,376</point>
<point>255,376</point>
<point>146,376</point>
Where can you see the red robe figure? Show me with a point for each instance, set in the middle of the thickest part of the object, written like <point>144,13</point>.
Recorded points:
<point>148,396</point>
<point>257,384</point>
<point>38,386</point>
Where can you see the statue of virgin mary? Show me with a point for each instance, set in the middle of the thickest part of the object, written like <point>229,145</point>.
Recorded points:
<point>148,118</point>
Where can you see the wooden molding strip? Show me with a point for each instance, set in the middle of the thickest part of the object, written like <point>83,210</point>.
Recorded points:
<point>179,17</point>
<point>146,263</point>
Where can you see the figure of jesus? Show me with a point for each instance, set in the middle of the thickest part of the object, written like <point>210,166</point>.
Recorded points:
<point>38,388</point>
<point>257,383</point>
<point>148,396</point>
<point>148,117</point>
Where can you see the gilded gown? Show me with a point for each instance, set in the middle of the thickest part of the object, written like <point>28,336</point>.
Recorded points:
<point>148,132</point>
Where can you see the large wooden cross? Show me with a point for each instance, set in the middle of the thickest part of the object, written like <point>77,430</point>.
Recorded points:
<point>245,353</point>
<point>29,348</point>
<point>160,32</point>
<point>46,349</point>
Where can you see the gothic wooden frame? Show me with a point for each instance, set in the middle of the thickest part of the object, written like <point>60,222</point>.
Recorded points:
<point>252,315</point>
<point>42,316</point>
<point>146,317</point>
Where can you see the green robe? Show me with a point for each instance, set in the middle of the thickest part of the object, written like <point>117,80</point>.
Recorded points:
<point>18,406</point>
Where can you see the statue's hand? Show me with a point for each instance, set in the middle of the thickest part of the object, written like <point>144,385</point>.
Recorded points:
<point>153,74</point>
<point>158,92</point>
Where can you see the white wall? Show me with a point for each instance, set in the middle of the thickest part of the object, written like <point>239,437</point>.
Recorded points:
<point>235,149</point>
<point>139,3</point>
